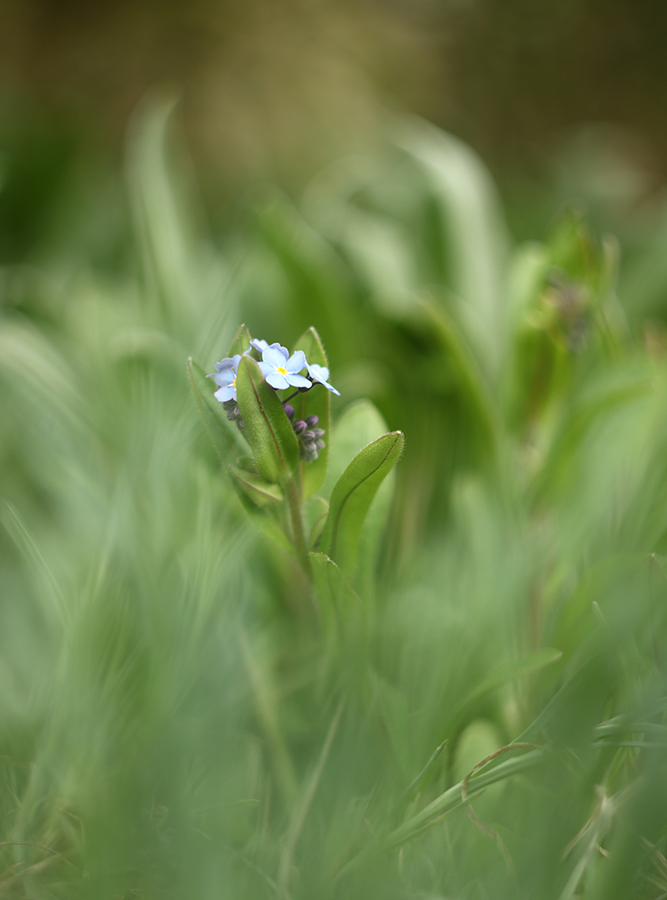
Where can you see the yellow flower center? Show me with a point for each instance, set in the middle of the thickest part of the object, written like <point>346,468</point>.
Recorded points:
<point>234,383</point>
<point>281,371</point>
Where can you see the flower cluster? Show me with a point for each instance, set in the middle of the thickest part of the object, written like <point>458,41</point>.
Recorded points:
<point>280,371</point>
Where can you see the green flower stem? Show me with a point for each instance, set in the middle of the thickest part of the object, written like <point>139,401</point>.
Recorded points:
<point>293,496</point>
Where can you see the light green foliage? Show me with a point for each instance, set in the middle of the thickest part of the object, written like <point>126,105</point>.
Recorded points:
<point>352,496</point>
<point>189,709</point>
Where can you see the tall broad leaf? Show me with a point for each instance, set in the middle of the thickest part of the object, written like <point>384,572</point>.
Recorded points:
<point>314,402</point>
<point>352,496</point>
<point>360,424</point>
<point>267,428</point>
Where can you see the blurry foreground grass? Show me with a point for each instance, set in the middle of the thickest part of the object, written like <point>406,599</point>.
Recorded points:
<point>170,725</point>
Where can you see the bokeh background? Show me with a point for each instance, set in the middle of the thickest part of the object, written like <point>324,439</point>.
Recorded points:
<point>557,97</point>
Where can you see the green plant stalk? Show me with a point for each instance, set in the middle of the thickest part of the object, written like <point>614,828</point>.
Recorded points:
<point>292,494</point>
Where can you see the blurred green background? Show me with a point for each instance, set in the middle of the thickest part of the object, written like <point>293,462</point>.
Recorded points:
<point>466,199</point>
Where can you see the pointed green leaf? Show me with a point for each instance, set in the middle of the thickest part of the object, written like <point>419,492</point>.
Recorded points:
<point>212,412</point>
<point>353,495</point>
<point>241,341</point>
<point>360,424</point>
<point>316,402</point>
<point>267,428</point>
<point>260,491</point>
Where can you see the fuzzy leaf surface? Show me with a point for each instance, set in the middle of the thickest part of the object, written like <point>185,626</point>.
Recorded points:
<point>267,428</point>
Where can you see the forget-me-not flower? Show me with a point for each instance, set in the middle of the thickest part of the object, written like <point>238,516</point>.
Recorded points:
<point>225,377</point>
<point>261,346</point>
<point>320,374</point>
<point>282,372</point>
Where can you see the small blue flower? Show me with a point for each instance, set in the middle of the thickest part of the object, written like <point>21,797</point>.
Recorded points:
<point>320,374</point>
<point>280,371</point>
<point>260,346</point>
<point>225,377</point>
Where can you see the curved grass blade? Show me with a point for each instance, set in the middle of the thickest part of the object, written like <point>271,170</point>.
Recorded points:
<point>352,496</point>
<point>360,424</point>
<point>316,402</point>
<point>267,428</point>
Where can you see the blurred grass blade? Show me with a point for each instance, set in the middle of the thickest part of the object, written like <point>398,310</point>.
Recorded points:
<point>352,496</point>
<point>466,368</point>
<point>316,402</point>
<point>212,412</point>
<point>31,552</point>
<point>304,802</point>
<point>476,244</point>
<point>267,428</point>
<point>341,608</point>
<point>513,671</point>
<point>260,491</point>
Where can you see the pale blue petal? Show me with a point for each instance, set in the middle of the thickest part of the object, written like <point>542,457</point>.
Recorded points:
<point>274,357</point>
<point>225,377</point>
<point>277,381</point>
<point>298,380</point>
<point>225,393</point>
<point>319,373</point>
<point>296,362</point>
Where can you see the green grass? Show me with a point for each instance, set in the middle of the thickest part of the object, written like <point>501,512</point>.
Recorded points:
<point>176,720</point>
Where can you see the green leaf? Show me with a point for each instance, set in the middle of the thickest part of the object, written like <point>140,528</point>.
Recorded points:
<point>315,511</point>
<point>267,428</point>
<point>316,402</point>
<point>260,491</point>
<point>360,424</point>
<point>241,342</point>
<point>341,610</point>
<point>212,411</point>
<point>353,495</point>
